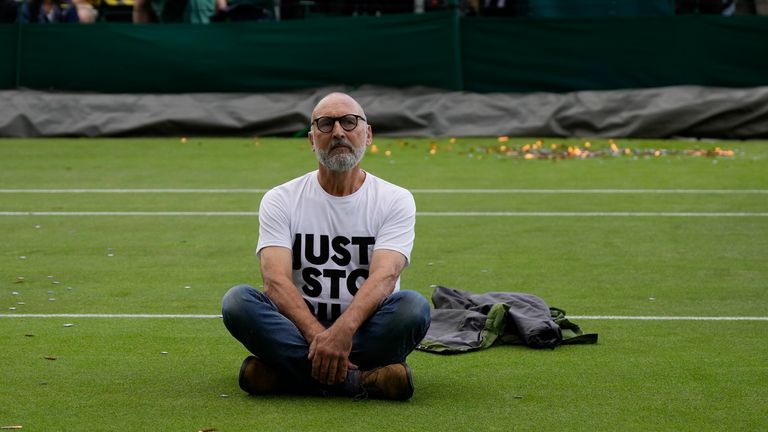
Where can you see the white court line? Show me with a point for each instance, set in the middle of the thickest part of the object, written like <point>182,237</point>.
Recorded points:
<point>131,191</point>
<point>593,214</point>
<point>139,316</point>
<point>591,191</point>
<point>424,214</point>
<point>666,318</point>
<point>584,317</point>
<point>135,213</point>
<point>416,191</point>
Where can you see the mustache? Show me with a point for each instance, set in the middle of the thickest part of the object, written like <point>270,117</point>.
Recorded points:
<point>336,143</point>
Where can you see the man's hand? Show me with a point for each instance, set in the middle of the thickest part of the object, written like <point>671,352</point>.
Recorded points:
<point>329,353</point>
<point>329,350</point>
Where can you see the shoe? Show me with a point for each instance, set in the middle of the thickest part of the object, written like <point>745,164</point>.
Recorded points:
<point>257,378</point>
<point>393,382</point>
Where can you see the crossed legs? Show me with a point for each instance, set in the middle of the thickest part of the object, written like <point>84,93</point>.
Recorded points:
<point>388,336</point>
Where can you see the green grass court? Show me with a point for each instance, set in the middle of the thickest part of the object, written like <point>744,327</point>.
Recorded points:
<point>627,236</point>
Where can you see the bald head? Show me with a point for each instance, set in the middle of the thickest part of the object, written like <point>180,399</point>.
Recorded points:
<point>337,104</point>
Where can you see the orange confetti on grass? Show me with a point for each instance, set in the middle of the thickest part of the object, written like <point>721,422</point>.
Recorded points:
<point>556,151</point>
<point>374,148</point>
<point>503,139</point>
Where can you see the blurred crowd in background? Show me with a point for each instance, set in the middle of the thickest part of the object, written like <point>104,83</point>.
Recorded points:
<point>207,11</point>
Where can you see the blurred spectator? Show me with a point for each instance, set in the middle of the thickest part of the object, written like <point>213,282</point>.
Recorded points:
<point>504,7</point>
<point>86,12</point>
<point>381,7</point>
<point>752,7</point>
<point>245,10</point>
<point>48,12</point>
<point>176,11</point>
<point>713,7</point>
<point>8,11</point>
<point>466,7</point>
<point>293,9</point>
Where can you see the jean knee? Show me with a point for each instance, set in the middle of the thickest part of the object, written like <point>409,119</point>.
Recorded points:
<point>412,309</point>
<point>233,302</point>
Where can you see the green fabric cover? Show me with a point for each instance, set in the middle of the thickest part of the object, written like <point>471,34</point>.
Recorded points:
<point>478,54</point>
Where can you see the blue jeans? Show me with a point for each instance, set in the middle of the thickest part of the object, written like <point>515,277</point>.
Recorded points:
<point>387,337</point>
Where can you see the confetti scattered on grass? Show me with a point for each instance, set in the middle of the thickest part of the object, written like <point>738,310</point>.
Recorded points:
<point>539,149</point>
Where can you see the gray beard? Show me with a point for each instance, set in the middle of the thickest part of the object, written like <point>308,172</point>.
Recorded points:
<point>340,162</point>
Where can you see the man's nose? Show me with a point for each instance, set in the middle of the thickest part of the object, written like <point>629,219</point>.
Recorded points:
<point>338,131</point>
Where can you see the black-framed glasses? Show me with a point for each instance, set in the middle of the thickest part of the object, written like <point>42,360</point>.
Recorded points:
<point>348,122</point>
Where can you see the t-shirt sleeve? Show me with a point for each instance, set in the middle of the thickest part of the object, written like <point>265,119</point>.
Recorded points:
<point>397,232</point>
<point>274,222</point>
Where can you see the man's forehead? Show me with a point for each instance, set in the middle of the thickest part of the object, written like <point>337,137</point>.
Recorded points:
<point>336,105</point>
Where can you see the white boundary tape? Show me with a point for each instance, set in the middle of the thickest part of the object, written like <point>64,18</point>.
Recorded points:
<point>575,317</point>
<point>423,214</point>
<point>416,191</point>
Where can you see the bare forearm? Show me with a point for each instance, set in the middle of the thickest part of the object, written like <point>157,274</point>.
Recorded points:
<point>292,306</point>
<point>386,267</point>
<point>365,303</point>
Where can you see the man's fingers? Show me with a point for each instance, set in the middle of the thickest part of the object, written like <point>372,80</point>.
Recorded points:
<point>330,371</point>
<point>324,370</point>
<point>330,359</point>
<point>316,369</point>
<point>341,372</point>
<point>329,375</point>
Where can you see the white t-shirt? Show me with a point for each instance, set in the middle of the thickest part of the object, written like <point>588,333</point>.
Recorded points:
<point>333,238</point>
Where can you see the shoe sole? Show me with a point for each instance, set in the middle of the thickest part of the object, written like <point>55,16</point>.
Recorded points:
<point>241,376</point>
<point>409,375</point>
